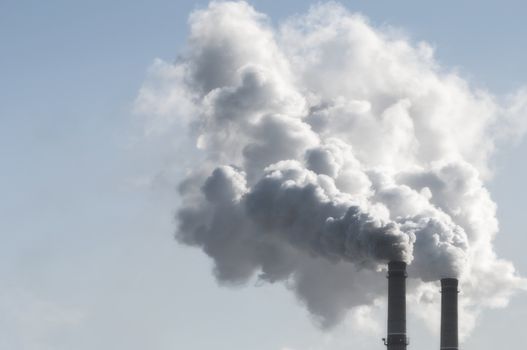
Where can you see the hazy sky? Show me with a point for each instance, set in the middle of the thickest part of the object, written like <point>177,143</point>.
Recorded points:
<point>87,258</point>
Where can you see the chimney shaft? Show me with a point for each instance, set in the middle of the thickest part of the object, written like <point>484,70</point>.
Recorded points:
<point>449,327</point>
<point>396,339</point>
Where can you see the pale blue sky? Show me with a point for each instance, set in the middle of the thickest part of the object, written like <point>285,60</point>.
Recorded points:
<point>88,262</point>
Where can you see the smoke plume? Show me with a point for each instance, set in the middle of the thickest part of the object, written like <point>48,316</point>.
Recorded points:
<point>328,147</point>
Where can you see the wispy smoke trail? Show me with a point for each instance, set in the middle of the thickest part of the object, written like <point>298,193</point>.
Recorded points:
<point>331,147</point>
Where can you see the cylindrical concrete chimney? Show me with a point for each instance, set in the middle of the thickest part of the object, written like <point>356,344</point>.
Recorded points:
<point>396,339</point>
<point>449,328</point>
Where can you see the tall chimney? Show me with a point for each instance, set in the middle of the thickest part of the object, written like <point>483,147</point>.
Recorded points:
<point>396,339</point>
<point>449,314</point>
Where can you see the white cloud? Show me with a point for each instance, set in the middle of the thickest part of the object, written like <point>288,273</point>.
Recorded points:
<point>335,146</point>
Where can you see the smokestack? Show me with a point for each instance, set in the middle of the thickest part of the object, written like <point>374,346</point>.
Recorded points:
<point>396,339</point>
<point>449,314</point>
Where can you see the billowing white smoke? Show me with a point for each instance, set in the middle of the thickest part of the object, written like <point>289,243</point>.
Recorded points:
<point>331,147</point>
